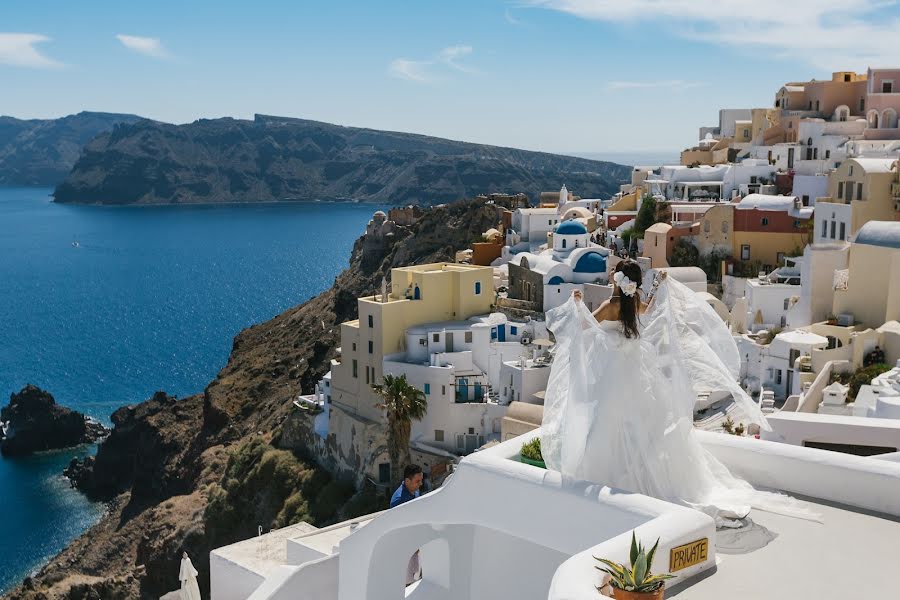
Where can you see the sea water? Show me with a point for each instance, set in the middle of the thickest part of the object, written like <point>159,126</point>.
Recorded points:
<point>102,306</point>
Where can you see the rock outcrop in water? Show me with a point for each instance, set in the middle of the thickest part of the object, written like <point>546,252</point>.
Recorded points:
<point>43,151</point>
<point>274,159</point>
<point>34,422</point>
<point>196,473</point>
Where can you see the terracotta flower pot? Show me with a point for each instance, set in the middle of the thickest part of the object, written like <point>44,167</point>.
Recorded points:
<point>623,595</point>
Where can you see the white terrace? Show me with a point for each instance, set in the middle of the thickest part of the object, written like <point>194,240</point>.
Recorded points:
<point>501,529</point>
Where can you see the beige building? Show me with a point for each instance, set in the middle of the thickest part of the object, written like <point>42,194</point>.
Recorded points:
<point>715,230</point>
<point>418,294</point>
<point>867,185</point>
<point>871,290</point>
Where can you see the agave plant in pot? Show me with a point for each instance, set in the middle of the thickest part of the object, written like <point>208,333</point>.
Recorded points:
<point>635,582</point>
<point>531,453</point>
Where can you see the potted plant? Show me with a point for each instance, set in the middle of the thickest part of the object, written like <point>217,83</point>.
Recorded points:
<point>831,320</point>
<point>530,454</point>
<point>635,582</point>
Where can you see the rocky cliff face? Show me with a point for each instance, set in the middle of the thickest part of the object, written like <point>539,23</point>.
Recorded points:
<point>195,473</point>
<point>43,151</point>
<point>274,159</point>
<point>34,422</point>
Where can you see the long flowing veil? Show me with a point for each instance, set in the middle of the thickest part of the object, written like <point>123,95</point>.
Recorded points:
<point>692,341</point>
<point>620,411</point>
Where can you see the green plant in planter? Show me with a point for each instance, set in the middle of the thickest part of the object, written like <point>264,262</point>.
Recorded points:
<point>638,577</point>
<point>531,453</point>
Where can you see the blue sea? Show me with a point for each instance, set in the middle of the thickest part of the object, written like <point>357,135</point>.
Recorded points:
<point>102,306</point>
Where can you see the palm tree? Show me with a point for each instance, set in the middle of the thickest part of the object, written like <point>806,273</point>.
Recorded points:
<point>403,403</point>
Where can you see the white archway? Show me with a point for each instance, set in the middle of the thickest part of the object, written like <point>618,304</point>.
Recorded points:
<point>842,113</point>
<point>872,118</point>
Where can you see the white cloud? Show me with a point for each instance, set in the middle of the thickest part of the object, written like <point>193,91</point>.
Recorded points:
<point>147,46</point>
<point>671,84</point>
<point>427,71</point>
<point>412,70</point>
<point>829,34</point>
<point>451,55</point>
<point>18,50</point>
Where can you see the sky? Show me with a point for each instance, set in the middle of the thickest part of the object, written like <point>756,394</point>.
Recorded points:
<point>553,75</point>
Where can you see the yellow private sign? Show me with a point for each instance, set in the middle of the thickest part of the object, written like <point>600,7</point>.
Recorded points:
<point>688,555</point>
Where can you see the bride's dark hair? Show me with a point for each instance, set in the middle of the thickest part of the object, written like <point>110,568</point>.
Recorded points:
<point>629,305</point>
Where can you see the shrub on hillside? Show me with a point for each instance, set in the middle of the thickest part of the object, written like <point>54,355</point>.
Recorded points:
<point>272,488</point>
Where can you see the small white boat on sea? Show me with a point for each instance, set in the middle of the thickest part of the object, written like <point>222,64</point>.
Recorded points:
<point>76,244</point>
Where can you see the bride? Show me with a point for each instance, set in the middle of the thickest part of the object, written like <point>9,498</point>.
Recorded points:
<point>620,401</point>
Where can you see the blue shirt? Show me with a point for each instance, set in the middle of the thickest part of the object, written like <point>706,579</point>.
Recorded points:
<point>402,495</point>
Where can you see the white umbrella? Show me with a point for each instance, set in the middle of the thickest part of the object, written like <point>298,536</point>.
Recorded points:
<point>188,577</point>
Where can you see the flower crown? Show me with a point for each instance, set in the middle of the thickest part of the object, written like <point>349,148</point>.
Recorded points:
<point>627,286</point>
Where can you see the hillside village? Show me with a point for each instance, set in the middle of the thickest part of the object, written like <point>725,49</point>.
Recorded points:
<point>784,219</point>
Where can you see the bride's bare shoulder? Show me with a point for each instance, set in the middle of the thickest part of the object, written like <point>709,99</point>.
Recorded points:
<point>608,311</point>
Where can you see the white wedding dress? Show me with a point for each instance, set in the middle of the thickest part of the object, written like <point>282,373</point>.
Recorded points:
<point>619,411</point>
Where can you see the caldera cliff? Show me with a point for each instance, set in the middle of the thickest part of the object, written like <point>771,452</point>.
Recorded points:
<point>200,472</point>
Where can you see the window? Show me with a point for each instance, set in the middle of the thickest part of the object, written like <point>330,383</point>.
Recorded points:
<point>833,224</point>
<point>887,86</point>
<point>746,134</point>
<point>513,329</point>
<point>859,191</point>
<point>367,374</point>
<point>355,368</point>
<point>764,221</point>
<point>439,435</point>
<point>564,243</point>
<point>371,321</point>
<point>846,77</point>
<point>815,154</point>
<point>796,223</point>
<point>843,231</point>
<point>354,346</point>
<point>384,473</point>
<point>745,251</point>
<point>443,390</point>
<point>810,105</point>
<point>477,288</point>
<point>471,431</point>
<point>827,154</point>
<point>754,179</point>
<point>778,377</point>
<point>862,104</point>
<point>549,222</point>
<point>817,105</point>
<point>824,228</point>
<point>805,199</point>
<point>840,190</point>
<point>435,337</point>
<point>786,302</point>
<point>468,337</point>
<point>850,171</point>
<point>371,347</point>
<point>427,389</point>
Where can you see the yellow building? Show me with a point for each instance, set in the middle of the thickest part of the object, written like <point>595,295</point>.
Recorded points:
<point>866,185</point>
<point>715,230</point>
<point>419,294</point>
<point>871,290</point>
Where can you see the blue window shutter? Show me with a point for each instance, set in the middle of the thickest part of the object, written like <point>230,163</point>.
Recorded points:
<point>427,388</point>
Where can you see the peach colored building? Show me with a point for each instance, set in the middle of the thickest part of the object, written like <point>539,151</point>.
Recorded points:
<point>883,104</point>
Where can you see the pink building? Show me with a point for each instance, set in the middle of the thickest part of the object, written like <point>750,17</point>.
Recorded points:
<point>883,104</point>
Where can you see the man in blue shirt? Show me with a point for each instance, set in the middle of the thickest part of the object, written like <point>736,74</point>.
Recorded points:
<point>409,488</point>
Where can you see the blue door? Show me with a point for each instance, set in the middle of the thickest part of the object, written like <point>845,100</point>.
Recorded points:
<point>417,295</point>
<point>462,390</point>
<point>501,333</point>
<point>479,396</point>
